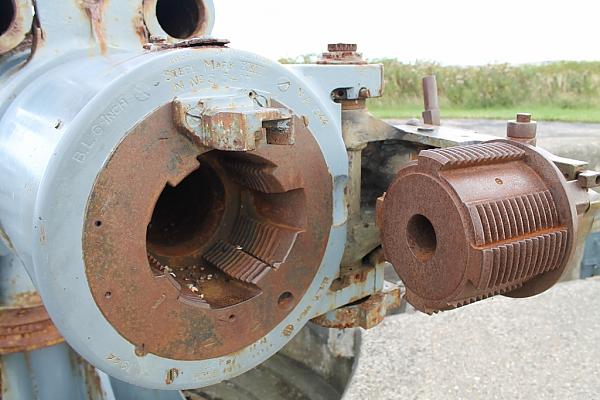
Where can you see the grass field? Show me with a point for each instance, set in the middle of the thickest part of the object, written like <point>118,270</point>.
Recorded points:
<point>558,91</point>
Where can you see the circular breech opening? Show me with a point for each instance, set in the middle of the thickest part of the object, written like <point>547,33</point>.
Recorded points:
<point>180,19</point>
<point>188,214</point>
<point>421,237</point>
<point>7,15</point>
<point>205,251</point>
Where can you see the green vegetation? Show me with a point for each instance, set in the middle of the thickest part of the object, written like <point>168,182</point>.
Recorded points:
<point>565,91</point>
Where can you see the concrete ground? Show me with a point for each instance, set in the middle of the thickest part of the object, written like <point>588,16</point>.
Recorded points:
<point>545,347</point>
<point>567,139</point>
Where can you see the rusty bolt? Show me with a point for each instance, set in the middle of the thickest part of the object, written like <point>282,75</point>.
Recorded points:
<point>341,53</point>
<point>335,47</point>
<point>154,39</point>
<point>589,179</point>
<point>364,93</point>
<point>431,115</point>
<point>522,129</point>
<point>172,374</point>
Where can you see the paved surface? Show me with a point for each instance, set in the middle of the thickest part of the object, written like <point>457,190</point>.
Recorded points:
<point>566,139</point>
<point>546,347</point>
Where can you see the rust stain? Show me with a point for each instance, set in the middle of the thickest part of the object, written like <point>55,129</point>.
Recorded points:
<point>139,26</point>
<point>94,10</point>
<point>42,234</point>
<point>288,330</point>
<point>26,326</point>
<point>172,374</point>
<point>366,314</point>
<point>17,31</point>
<point>5,239</point>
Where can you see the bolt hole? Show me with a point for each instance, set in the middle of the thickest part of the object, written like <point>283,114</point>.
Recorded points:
<point>499,181</point>
<point>421,237</point>
<point>7,15</point>
<point>181,19</point>
<point>108,295</point>
<point>285,301</point>
<point>98,224</point>
<point>232,318</point>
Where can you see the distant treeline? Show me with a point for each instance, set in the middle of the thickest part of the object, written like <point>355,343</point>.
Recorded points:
<point>564,84</point>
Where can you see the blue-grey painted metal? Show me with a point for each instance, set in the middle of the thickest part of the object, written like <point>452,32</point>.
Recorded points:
<point>48,374</point>
<point>590,265</point>
<point>61,117</point>
<point>125,391</point>
<point>138,86</point>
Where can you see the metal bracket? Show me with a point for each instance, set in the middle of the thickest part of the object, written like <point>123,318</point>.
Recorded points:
<point>234,121</point>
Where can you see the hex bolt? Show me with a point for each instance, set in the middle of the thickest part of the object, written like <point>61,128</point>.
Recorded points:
<point>337,47</point>
<point>341,53</point>
<point>524,117</point>
<point>522,129</point>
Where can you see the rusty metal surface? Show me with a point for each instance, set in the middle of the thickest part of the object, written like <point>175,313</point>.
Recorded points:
<point>431,115</point>
<point>589,179</point>
<point>204,24</point>
<point>26,326</point>
<point>341,53</point>
<point>19,25</point>
<point>158,43</point>
<point>522,129</point>
<point>254,247</point>
<point>366,314</point>
<point>233,121</point>
<point>465,223</point>
<point>94,11</point>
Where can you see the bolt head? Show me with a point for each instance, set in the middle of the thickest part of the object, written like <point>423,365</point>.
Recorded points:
<point>157,39</point>
<point>333,47</point>
<point>524,117</point>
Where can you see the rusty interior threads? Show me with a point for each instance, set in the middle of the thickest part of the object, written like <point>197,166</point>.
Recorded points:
<point>7,15</point>
<point>182,19</point>
<point>198,236</point>
<point>212,268</point>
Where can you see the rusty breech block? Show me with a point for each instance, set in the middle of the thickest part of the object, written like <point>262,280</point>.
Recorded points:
<point>465,223</point>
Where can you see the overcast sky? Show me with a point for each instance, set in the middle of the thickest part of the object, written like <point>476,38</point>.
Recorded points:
<point>447,31</point>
